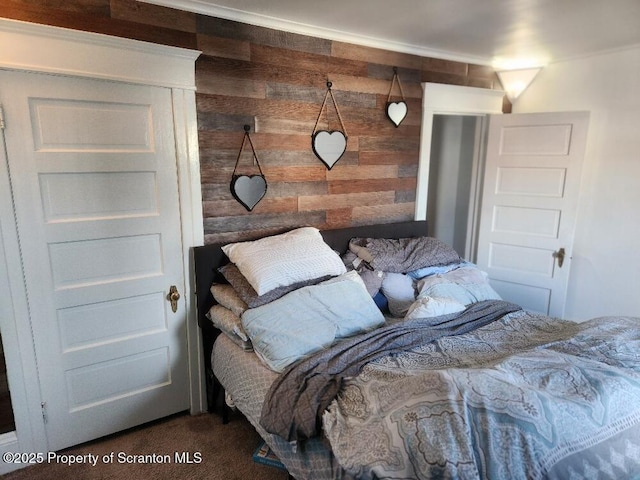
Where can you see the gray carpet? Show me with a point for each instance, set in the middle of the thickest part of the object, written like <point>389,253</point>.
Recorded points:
<point>224,452</point>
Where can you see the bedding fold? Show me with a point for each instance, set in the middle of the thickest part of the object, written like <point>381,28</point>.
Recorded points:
<point>297,398</point>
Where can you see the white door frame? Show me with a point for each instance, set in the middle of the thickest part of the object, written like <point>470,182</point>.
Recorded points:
<point>440,99</point>
<point>60,51</point>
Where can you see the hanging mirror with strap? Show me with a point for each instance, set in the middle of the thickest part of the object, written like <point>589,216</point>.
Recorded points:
<point>396,111</point>
<point>329,145</point>
<point>248,189</point>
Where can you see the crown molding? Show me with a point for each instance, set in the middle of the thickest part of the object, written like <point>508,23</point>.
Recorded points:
<point>207,8</point>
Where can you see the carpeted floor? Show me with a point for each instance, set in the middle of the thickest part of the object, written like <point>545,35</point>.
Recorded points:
<point>216,452</point>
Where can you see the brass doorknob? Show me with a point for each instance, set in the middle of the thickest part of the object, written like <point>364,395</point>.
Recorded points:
<point>173,296</point>
<point>559,255</point>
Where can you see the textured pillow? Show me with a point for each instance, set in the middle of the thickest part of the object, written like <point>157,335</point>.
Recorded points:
<point>310,319</point>
<point>371,278</point>
<point>465,285</point>
<point>429,307</point>
<point>230,324</point>
<point>400,293</point>
<point>227,296</point>
<point>247,293</point>
<point>284,259</point>
<point>403,255</point>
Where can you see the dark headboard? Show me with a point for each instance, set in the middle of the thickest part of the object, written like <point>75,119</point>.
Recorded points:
<point>208,258</point>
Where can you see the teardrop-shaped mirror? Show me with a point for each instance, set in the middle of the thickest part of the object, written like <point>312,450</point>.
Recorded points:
<point>248,189</point>
<point>397,111</point>
<point>329,146</point>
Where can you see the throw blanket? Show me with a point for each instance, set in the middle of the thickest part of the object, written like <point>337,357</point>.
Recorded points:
<point>297,399</point>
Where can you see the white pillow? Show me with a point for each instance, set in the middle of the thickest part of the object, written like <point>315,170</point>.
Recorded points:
<point>284,259</point>
<point>400,292</point>
<point>427,307</point>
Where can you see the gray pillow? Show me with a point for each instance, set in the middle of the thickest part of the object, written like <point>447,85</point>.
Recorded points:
<point>248,294</point>
<point>403,255</point>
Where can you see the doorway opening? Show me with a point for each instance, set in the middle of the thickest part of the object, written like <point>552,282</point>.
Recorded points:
<point>454,186</point>
<point>450,112</point>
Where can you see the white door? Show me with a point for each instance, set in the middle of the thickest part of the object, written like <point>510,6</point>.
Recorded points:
<point>529,203</point>
<point>93,171</point>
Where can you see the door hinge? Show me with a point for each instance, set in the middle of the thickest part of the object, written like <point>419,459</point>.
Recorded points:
<point>43,406</point>
<point>1,118</point>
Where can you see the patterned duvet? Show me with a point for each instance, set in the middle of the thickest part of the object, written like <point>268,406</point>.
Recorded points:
<point>525,396</point>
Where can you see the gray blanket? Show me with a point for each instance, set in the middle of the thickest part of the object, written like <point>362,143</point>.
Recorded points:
<point>297,399</point>
<point>403,255</point>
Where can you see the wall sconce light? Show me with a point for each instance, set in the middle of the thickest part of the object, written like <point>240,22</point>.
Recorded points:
<point>515,82</point>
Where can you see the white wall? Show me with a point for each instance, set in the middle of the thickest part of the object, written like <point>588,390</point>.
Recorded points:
<point>606,255</point>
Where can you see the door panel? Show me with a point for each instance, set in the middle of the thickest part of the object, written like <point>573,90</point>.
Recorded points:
<point>93,167</point>
<point>529,203</point>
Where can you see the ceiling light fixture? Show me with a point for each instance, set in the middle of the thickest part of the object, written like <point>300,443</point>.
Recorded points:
<point>516,81</point>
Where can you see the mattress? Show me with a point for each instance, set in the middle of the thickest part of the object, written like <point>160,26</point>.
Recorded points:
<point>247,380</point>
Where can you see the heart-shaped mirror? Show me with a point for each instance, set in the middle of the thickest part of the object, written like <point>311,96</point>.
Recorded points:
<point>248,190</point>
<point>396,111</point>
<point>329,146</point>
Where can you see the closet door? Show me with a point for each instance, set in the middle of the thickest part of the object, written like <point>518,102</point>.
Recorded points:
<point>93,170</point>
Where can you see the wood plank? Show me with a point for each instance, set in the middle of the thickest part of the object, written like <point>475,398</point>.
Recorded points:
<point>262,222</point>
<point>284,126</point>
<point>353,172</point>
<point>338,218</point>
<point>445,66</point>
<point>221,175</point>
<point>375,55</point>
<point>261,141</point>
<point>224,47</point>
<point>214,121</point>
<point>372,85</point>
<point>390,143</point>
<point>297,173</point>
<point>480,82</point>
<point>408,170</point>
<point>238,105</point>
<point>385,72</point>
<point>404,196</point>
<point>481,71</point>
<point>261,35</point>
<point>386,157</point>
<point>77,17</point>
<point>231,207</point>
<point>239,88</point>
<point>150,14</point>
<point>344,201</point>
<point>397,212</point>
<point>236,68</point>
<point>297,189</point>
<point>92,7</point>
<point>371,185</point>
<point>319,63</point>
<point>446,78</point>
<point>315,95</point>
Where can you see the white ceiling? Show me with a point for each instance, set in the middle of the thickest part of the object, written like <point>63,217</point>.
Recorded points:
<point>477,31</point>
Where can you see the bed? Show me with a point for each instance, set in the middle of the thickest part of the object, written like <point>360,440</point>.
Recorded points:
<point>425,372</point>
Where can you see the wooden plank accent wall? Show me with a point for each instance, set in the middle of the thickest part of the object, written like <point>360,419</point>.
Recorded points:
<point>275,82</point>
